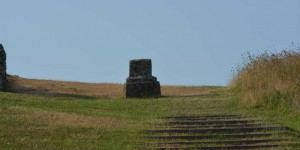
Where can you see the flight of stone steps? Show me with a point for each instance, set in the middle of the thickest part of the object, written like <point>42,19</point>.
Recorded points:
<point>214,132</point>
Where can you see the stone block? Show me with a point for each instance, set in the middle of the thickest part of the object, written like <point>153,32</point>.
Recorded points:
<point>141,83</point>
<point>3,79</point>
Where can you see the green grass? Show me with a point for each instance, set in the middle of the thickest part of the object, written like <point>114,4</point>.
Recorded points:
<point>51,122</point>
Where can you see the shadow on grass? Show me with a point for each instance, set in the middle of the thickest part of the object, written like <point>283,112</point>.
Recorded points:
<point>191,96</point>
<point>14,88</point>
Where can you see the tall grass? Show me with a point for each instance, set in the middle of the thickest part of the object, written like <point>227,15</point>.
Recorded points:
<point>269,80</point>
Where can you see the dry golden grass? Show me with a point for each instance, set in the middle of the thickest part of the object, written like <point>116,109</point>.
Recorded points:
<point>99,90</point>
<point>270,80</point>
<point>185,91</point>
<point>52,87</point>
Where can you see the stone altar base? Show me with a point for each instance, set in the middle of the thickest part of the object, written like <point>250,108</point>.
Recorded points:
<point>143,89</point>
<point>141,83</point>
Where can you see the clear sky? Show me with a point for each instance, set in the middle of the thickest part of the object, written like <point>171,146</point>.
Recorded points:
<point>190,42</point>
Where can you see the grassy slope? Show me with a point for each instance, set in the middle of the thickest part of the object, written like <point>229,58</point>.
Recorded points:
<point>98,90</point>
<point>270,80</point>
<point>85,121</point>
<point>268,84</point>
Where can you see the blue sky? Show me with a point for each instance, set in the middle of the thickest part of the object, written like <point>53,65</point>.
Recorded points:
<point>190,42</point>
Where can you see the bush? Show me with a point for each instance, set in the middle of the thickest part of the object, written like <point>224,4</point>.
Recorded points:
<point>269,80</point>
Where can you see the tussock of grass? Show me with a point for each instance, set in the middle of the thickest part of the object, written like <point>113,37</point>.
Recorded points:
<point>269,80</point>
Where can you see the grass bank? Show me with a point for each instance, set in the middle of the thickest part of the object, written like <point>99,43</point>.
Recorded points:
<point>39,115</point>
<point>42,114</point>
<point>270,81</point>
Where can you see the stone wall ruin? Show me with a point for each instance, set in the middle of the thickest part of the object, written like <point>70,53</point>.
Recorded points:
<point>141,83</point>
<point>3,79</point>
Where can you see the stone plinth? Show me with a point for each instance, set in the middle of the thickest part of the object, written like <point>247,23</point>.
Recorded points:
<point>3,80</point>
<point>141,83</point>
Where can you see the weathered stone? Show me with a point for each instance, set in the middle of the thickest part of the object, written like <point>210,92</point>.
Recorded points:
<point>141,83</point>
<point>3,80</point>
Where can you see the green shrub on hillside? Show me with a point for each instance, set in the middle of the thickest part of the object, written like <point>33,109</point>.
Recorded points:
<point>269,80</point>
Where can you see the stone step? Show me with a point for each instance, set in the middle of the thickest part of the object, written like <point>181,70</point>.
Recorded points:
<point>204,117</point>
<point>216,126</point>
<point>211,136</point>
<point>229,147</point>
<point>218,130</point>
<point>227,142</point>
<point>210,122</point>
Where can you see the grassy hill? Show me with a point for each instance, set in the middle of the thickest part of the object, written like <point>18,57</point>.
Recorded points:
<point>44,114</point>
<point>56,114</point>
<point>93,90</point>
